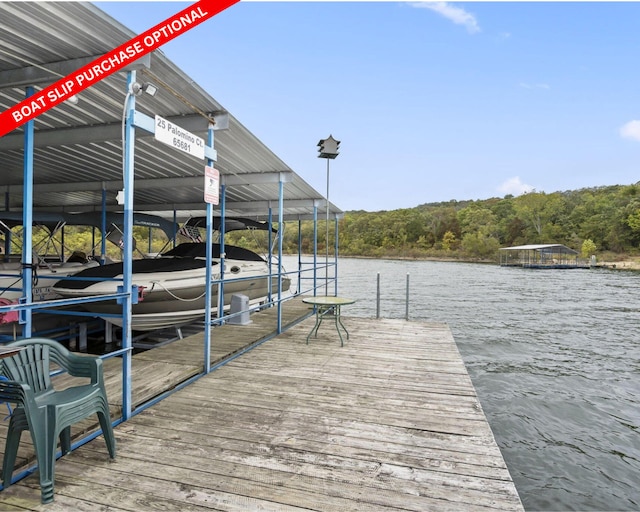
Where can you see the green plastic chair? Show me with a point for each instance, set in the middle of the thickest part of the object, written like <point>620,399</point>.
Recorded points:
<point>46,412</point>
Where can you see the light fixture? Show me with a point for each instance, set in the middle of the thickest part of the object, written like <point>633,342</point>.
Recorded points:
<point>72,99</point>
<point>149,88</point>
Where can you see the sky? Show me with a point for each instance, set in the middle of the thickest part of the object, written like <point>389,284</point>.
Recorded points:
<point>431,101</point>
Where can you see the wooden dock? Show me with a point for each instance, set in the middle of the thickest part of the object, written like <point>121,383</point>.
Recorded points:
<point>390,421</point>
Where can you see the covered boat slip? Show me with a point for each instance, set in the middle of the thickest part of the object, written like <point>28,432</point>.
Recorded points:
<point>101,152</point>
<point>541,256</point>
<point>390,421</point>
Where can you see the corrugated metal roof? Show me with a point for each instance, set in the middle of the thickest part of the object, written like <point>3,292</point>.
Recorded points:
<point>556,248</point>
<point>78,149</point>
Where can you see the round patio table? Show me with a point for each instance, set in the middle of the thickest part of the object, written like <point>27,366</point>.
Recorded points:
<point>328,305</point>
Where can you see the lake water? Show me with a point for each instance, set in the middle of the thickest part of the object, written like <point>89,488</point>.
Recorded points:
<point>555,359</point>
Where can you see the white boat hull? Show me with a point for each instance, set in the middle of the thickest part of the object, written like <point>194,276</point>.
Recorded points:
<point>174,298</point>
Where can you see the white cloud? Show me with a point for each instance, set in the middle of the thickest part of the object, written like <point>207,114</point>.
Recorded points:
<point>631,130</point>
<point>534,86</point>
<point>515,187</point>
<point>456,14</point>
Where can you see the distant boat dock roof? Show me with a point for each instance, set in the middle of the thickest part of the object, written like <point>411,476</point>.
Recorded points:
<point>541,256</point>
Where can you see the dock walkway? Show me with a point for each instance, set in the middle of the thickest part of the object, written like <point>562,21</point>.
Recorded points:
<point>390,421</point>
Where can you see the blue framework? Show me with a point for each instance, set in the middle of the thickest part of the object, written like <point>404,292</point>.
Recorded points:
<point>128,294</point>
<point>27,217</point>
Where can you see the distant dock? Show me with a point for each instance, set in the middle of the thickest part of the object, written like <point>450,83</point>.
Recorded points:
<point>542,256</point>
<point>390,421</point>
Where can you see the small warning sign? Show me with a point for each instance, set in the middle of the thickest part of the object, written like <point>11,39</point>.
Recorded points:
<point>211,185</point>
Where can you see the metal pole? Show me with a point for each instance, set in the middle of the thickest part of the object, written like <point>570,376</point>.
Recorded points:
<point>103,227</point>
<point>208,299</point>
<point>27,216</point>
<point>406,313</point>
<point>335,257</point>
<point>315,249</point>
<point>223,213</point>
<point>280,237</point>
<point>326,243</point>
<point>378,297</point>
<point>127,255</point>
<point>270,255</point>
<point>299,257</point>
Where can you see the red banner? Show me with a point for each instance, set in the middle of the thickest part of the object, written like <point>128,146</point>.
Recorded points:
<point>111,62</point>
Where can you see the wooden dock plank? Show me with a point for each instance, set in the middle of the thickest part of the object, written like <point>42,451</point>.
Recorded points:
<point>162,369</point>
<point>390,421</point>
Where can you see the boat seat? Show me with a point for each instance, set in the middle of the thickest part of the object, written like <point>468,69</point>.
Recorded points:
<point>46,412</point>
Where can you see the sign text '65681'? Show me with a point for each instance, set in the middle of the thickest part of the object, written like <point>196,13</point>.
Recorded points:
<point>179,138</point>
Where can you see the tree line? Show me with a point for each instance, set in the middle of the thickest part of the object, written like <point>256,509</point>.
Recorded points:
<point>602,220</point>
<point>591,220</point>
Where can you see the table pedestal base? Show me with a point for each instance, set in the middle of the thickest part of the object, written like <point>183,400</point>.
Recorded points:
<point>321,312</point>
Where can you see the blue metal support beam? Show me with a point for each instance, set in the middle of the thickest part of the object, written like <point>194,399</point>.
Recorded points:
<point>335,258</point>
<point>7,237</point>
<point>27,218</point>
<point>127,256</point>
<point>207,298</point>
<point>223,213</point>
<point>299,256</point>
<point>103,228</point>
<point>315,249</point>
<point>270,246</point>
<point>280,237</point>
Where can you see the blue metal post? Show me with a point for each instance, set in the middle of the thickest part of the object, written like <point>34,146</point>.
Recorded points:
<point>93,242</point>
<point>103,228</point>
<point>223,212</point>
<point>315,248</point>
<point>207,297</point>
<point>270,246</point>
<point>127,256</point>
<point>62,244</point>
<point>27,217</point>
<point>7,236</point>
<point>299,255</point>
<point>280,236</point>
<point>335,258</point>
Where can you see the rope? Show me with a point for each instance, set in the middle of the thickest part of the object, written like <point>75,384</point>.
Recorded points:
<point>154,283</point>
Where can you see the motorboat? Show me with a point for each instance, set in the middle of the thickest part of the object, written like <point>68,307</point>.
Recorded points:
<point>51,260</point>
<point>45,269</point>
<point>172,286</point>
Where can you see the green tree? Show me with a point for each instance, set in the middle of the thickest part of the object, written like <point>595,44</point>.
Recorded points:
<point>588,248</point>
<point>449,241</point>
<point>480,246</point>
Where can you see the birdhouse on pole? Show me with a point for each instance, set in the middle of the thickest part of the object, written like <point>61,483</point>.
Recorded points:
<point>328,148</point>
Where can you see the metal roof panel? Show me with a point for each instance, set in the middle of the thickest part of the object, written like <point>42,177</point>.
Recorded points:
<point>80,145</point>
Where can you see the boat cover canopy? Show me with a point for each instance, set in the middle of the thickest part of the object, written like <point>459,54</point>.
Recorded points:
<point>53,220</point>
<point>199,250</point>
<point>230,224</point>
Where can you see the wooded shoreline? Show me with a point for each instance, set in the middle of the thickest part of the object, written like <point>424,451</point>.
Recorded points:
<point>623,264</point>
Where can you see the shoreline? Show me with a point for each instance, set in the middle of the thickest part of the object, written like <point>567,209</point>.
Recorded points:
<point>620,265</point>
<point>629,264</point>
